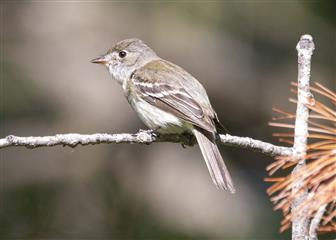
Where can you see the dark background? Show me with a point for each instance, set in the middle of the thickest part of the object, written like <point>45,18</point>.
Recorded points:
<point>244,54</point>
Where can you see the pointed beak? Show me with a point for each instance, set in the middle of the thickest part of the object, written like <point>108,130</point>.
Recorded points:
<point>100,60</point>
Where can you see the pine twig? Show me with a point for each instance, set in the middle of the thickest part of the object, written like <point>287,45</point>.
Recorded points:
<point>315,222</point>
<point>300,218</point>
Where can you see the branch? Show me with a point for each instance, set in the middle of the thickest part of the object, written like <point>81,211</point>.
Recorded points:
<point>255,145</point>
<point>316,222</point>
<point>74,139</point>
<point>300,219</point>
<point>141,137</point>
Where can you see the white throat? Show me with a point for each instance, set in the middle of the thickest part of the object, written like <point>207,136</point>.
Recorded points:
<point>120,73</point>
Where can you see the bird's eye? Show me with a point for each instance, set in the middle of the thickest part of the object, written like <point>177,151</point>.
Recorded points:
<point>122,54</point>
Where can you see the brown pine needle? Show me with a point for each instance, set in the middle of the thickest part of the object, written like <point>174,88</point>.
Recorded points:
<point>319,173</point>
<point>323,127</point>
<point>321,136</point>
<point>284,125</point>
<point>283,134</point>
<point>274,179</point>
<point>325,90</point>
<point>285,115</point>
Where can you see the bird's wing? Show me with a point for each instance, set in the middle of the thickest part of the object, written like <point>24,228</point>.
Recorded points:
<point>158,84</point>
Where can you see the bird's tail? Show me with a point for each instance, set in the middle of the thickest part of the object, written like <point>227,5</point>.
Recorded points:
<point>214,161</point>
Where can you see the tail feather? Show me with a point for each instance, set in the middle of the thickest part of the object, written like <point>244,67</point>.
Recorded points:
<point>214,161</point>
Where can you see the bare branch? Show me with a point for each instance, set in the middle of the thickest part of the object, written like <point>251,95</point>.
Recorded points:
<point>74,139</point>
<point>142,137</point>
<point>300,218</point>
<point>255,145</point>
<point>316,222</point>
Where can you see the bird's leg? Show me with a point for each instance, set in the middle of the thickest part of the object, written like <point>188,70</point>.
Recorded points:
<point>153,132</point>
<point>189,140</point>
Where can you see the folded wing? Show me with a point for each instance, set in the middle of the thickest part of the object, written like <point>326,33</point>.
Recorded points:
<point>168,94</point>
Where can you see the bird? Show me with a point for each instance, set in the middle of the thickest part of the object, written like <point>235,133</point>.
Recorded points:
<point>167,99</point>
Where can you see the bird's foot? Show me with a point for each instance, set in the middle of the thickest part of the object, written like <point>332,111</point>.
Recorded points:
<point>188,140</point>
<point>153,132</point>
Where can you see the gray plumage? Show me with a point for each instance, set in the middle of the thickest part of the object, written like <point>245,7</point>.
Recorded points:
<point>169,99</point>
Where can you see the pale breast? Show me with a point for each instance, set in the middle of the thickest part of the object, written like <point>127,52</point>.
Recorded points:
<point>155,118</point>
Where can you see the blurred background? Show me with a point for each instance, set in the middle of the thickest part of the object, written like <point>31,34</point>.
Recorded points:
<point>244,54</point>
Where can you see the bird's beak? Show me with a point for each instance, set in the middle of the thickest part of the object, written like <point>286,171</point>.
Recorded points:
<point>100,60</point>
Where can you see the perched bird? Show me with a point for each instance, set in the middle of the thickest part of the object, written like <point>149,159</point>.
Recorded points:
<point>167,99</point>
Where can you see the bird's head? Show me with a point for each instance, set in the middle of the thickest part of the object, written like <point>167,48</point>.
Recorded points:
<point>125,57</point>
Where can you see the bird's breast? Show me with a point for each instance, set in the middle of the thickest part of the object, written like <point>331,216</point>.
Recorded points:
<point>156,118</point>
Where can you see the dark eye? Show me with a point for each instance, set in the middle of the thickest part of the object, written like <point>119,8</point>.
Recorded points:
<point>122,54</point>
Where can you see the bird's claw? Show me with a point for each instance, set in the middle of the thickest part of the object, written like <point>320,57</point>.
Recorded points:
<point>152,132</point>
<point>189,140</point>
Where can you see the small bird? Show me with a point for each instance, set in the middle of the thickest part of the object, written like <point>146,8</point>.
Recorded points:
<point>168,100</point>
